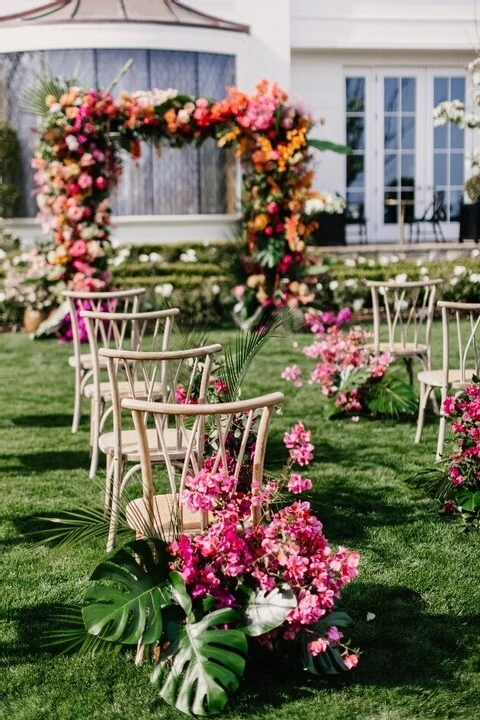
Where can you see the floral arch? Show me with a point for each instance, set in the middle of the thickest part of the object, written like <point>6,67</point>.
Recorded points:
<point>78,162</point>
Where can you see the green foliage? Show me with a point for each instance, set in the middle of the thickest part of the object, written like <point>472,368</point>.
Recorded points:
<point>266,610</point>
<point>9,166</point>
<point>203,664</point>
<point>329,662</point>
<point>33,101</point>
<point>472,187</point>
<point>130,609</point>
<point>324,145</point>
<point>392,396</point>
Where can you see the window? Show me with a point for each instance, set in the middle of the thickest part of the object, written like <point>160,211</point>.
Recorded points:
<point>449,149</point>
<point>355,98</point>
<point>399,140</point>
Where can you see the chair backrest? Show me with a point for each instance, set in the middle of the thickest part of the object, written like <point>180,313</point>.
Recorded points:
<point>181,376</point>
<point>463,321</point>
<point>136,331</point>
<point>193,423</point>
<point>439,212</point>
<point>408,309</point>
<point>116,300</point>
<point>355,213</point>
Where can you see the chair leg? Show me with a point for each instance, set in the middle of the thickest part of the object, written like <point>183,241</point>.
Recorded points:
<point>95,434</point>
<point>409,365</point>
<point>77,405</point>
<point>115,503</point>
<point>424,393</point>
<point>442,428</point>
<point>108,486</point>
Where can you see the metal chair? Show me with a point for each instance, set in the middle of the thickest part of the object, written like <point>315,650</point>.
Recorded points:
<point>406,310</point>
<point>164,515</point>
<point>116,300</point>
<point>355,215</point>
<point>453,375</point>
<point>120,331</point>
<point>434,215</point>
<point>150,375</point>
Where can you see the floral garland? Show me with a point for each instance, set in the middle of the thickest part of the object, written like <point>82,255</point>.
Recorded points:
<point>77,165</point>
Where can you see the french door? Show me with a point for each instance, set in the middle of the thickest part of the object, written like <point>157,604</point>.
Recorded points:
<point>399,156</point>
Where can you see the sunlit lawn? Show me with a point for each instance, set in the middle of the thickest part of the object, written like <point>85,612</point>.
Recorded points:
<point>419,575</point>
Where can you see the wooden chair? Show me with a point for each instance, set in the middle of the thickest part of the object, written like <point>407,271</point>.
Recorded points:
<point>150,375</point>
<point>164,515</point>
<point>454,375</point>
<point>408,308</point>
<point>120,331</point>
<point>119,300</point>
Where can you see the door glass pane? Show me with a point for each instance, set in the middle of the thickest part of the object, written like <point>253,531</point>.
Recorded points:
<point>391,94</point>
<point>355,123</point>
<point>408,133</point>
<point>457,89</point>
<point>408,169</point>
<point>440,169</point>
<point>456,197</point>
<point>355,171</point>
<point>456,169</point>
<point>449,163</point>
<point>440,90</point>
<point>390,166</point>
<point>355,94</point>
<point>391,132</point>
<point>356,133</point>
<point>440,137</point>
<point>408,94</point>
<point>457,136</point>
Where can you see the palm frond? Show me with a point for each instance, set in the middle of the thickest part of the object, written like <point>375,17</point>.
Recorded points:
<point>33,100</point>
<point>70,635</point>
<point>238,356</point>
<point>392,396</point>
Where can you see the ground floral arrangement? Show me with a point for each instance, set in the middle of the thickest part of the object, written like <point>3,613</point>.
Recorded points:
<point>198,601</point>
<point>352,380</point>
<point>77,164</point>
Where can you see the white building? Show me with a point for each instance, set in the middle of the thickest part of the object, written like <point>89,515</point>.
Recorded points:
<point>374,69</point>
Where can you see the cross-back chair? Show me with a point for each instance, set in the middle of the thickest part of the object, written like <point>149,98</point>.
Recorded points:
<point>165,515</point>
<point>176,376</point>
<point>120,331</point>
<point>116,300</point>
<point>402,319</point>
<point>459,363</point>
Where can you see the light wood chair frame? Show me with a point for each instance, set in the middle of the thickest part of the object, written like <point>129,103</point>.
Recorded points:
<point>157,370</point>
<point>409,330</point>
<point>129,300</point>
<point>444,380</point>
<point>118,330</point>
<point>222,415</point>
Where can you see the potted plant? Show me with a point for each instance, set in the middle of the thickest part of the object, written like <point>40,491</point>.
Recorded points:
<point>326,209</point>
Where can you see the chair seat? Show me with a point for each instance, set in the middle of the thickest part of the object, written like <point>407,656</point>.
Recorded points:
<point>124,390</point>
<point>434,378</point>
<point>86,361</point>
<point>106,443</point>
<point>401,350</point>
<point>165,518</point>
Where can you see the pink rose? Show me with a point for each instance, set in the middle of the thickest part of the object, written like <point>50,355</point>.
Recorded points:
<point>85,181</point>
<point>78,249</point>
<point>272,208</point>
<point>101,182</point>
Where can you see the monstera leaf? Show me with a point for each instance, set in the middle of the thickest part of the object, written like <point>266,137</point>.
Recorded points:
<point>329,662</point>
<point>203,663</point>
<point>265,611</point>
<point>129,608</point>
<point>392,396</point>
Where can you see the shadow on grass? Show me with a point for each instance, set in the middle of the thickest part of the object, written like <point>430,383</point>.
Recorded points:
<point>47,461</point>
<point>50,421</point>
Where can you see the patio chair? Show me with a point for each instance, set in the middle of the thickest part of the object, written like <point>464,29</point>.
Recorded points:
<point>355,215</point>
<point>402,320</point>
<point>119,331</point>
<point>120,300</point>
<point>454,375</point>
<point>150,375</point>
<point>164,515</point>
<point>434,215</point>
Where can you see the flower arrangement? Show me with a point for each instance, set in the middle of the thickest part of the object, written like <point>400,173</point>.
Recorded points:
<point>352,379</point>
<point>194,602</point>
<point>325,202</point>
<point>77,164</point>
<point>461,488</point>
<point>30,281</point>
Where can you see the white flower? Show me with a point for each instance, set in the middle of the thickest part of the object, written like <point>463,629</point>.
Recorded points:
<point>144,258</point>
<point>401,278</point>
<point>2,296</point>
<point>361,260</point>
<point>319,287</point>
<point>3,254</point>
<point>358,304</point>
<point>333,285</point>
<point>371,263</point>
<point>475,253</point>
<point>459,270</point>
<point>325,202</point>
<point>215,289</point>
<point>350,262</point>
<point>454,281</point>
<point>190,256</point>
<point>56,107</point>
<point>474,277</point>
<point>384,260</point>
<point>156,257</point>
<point>351,282</point>
<point>183,116</point>
<point>72,143</point>
<point>166,289</point>
<point>423,270</point>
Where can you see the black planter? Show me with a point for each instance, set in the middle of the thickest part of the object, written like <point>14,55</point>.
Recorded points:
<point>330,231</point>
<point>470,222</point>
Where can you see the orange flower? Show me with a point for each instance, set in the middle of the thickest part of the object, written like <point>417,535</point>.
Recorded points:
<point>260,222</point>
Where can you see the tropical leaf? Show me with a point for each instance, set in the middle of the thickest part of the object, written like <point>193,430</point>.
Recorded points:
<point>128,609</point>
<point>203,664</point>
<point>324,145</point>
<point>468,500</point>
<point>355,379</point>
<point>392,396</point>
<point>70,635</point>
<point>33,100</point>
<point>329,662</point>
<point>239,355</point>
<point>265,611</point>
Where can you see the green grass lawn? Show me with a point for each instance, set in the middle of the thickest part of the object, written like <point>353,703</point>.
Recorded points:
<point>419,576</point>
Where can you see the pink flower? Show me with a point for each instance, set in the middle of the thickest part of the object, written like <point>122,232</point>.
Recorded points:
<point>293,374</point>
<point>101,182</point>
<point>85,181</point>
<point>334,634</point>
<point>78,249</point>
<point>350,661</point>
<point>297,484</point>
<point>272,208</point>
<point>449,405</point>
<point>317,646</point>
